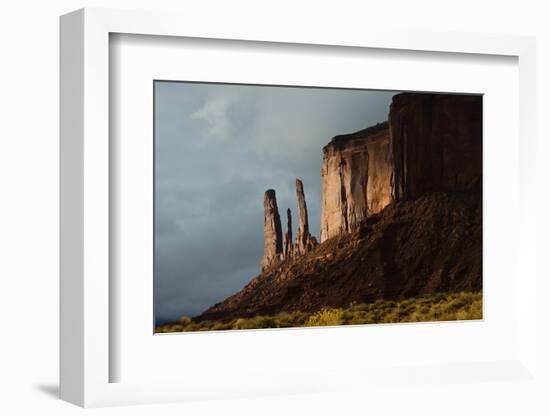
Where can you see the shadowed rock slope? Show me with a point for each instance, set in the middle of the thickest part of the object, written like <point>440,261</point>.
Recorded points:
<point>429,244</point>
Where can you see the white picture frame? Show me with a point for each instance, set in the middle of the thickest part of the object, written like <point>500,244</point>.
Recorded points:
<point>86,356</point>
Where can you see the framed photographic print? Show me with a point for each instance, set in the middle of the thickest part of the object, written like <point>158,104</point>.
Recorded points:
<point>270,212</point>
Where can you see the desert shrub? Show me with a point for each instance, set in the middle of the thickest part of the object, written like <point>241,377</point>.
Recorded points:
<point>362,307</point>
<point>241,323</point>
<point>462,315</point>
<point>284,320</point>
<point>439,297</point>
<point>405,309</point>
<point>325,317</point>
<point>263,322</point>
<point>476,308</point>
<point>184,320</point>
<point>426,308</point>
<point>373,317</point>
<point>455,305</point>
<point>390,318</point>
<point>360,319</point>
<point>349,315</point>
<point>220,326</point>
<point>298,318</point>
<point>416,316</point>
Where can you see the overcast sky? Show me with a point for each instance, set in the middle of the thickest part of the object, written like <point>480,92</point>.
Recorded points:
<point>218,148</point>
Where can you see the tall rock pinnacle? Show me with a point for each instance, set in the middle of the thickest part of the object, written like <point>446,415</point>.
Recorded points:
<point>302,207</point>
<point>288,246</point>
<point>304,240</point>
<point>273,235</point>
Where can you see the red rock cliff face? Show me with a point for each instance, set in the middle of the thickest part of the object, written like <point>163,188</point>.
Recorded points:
<point>431,142</point>
<point>435,143</point>
<point>356,179</point>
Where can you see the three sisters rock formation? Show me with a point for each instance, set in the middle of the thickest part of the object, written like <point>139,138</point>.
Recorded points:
<point>277,249</point>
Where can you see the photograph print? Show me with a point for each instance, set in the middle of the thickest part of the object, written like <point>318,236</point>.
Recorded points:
<point>285,207</point>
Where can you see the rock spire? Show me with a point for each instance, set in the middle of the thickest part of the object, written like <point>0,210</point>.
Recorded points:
<point>304,240</point>
<point>278,248</point>
<point>288,249</point>
<point>273,235</point>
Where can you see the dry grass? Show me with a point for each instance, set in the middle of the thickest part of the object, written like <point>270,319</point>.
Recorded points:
<point>428,308</point>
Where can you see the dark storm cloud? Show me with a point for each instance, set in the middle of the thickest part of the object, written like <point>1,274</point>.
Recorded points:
<point>217,149</point>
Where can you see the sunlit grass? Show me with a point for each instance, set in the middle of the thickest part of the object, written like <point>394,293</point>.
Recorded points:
<point>428,308</point>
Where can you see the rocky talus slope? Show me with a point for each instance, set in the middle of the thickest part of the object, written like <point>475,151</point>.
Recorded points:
<point>410,248</point>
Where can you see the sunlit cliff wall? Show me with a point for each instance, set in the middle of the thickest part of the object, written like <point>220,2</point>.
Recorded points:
<point>356,179</point>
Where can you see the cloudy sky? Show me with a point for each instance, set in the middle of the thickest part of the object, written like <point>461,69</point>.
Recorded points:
<point>218,148</point>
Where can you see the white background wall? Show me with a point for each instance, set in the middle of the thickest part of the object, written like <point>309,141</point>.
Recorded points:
<point>29,184</point>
